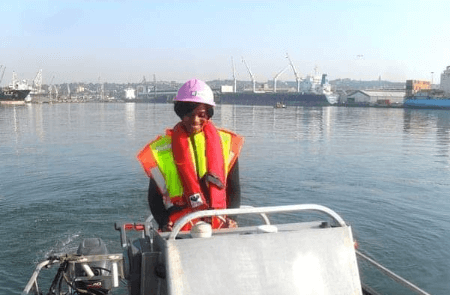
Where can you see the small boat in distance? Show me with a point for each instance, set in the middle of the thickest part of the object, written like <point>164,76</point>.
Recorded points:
<point>280,105</point>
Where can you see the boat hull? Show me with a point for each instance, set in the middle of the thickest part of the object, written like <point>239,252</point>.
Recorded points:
<point>13,95</point>
<point>271,99</point>
<point>427,103</point>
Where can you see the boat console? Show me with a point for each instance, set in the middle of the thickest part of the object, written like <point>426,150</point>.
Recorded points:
<point>313,257</point>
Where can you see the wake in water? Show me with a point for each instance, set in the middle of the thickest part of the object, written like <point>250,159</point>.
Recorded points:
<point>67,243</point>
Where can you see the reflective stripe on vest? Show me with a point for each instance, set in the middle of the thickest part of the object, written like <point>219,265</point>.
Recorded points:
<point>157,160</point>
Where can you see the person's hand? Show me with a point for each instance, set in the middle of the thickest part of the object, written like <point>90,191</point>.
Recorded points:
<point>168,226</point>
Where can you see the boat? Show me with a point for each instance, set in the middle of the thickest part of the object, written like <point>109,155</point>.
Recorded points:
<point>294,257</point>
<point>432,98</point>
<point>313,90</point>
<point>280,105</point>
<point>17,92</point>
<point>13,96</point>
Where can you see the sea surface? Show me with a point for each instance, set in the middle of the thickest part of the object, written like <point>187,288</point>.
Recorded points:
<point>69,171</point>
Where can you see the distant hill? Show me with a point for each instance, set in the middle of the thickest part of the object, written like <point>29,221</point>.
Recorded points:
<point>346,84</point>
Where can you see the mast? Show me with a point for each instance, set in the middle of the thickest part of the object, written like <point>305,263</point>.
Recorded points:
<point>251,75</point>
<point>297,77</point>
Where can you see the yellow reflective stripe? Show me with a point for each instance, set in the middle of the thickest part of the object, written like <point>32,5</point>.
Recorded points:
<point>226,146</point>
<point>200,145</point>
<point>162,152</point>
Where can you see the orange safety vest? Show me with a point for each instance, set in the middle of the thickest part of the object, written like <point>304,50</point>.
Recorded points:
<point>157,159</point>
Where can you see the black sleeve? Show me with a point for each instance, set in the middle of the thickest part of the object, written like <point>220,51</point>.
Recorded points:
<point>234,187</point>
<point>155,201</point>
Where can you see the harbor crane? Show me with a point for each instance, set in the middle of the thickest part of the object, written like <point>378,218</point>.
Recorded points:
<point>276,78</point>
<point>50,89</point>
<point>143,87</point>
<point>101,89</point>
<point>68,91</point>
<point>251,75</point>
<point>234,75</point>
<point>297,77</point>
<point>37,82</point>
<point>3,73</point>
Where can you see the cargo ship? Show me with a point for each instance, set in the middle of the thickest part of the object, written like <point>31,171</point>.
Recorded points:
<point>428,100</point>
<point>272,99</point>
<point>13,96</point>
<point>17,92</point>
<point>432,98</point>
<point>313,90</point>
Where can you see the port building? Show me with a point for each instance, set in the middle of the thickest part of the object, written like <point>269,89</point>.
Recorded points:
<point>414,86</point>
<point>376,97</point>
<point>445,81</point>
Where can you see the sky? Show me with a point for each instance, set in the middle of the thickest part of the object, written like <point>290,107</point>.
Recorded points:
<point>124,41</point>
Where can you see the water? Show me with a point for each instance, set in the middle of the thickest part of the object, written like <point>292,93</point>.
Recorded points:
<point>69,171</point>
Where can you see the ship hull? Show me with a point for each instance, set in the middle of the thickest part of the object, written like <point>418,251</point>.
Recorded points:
<point>271,99</point>
<point>427,103</point>
<point>13,95</point>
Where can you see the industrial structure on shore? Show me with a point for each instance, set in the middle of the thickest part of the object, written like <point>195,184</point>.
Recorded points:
<point>311,90</point>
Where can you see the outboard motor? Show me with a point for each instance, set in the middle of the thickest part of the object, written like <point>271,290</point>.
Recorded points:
<point>92,280</point>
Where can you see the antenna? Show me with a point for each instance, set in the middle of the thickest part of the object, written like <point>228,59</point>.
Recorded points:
<point>297,77</point>
<point>251,75</point>
<point>276,78</point>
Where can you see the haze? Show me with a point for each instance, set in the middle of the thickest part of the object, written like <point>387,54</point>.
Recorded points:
<point>123,41</point>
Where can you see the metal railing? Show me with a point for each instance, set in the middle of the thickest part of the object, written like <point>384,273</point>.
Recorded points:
<point>250,210</point>
<point>392,275</point>
<point>116,260</point>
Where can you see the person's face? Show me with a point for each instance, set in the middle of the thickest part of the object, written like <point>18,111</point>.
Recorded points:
<point>194,121</point>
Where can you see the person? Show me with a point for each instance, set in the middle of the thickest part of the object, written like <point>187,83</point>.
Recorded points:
<point>194,166</point>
